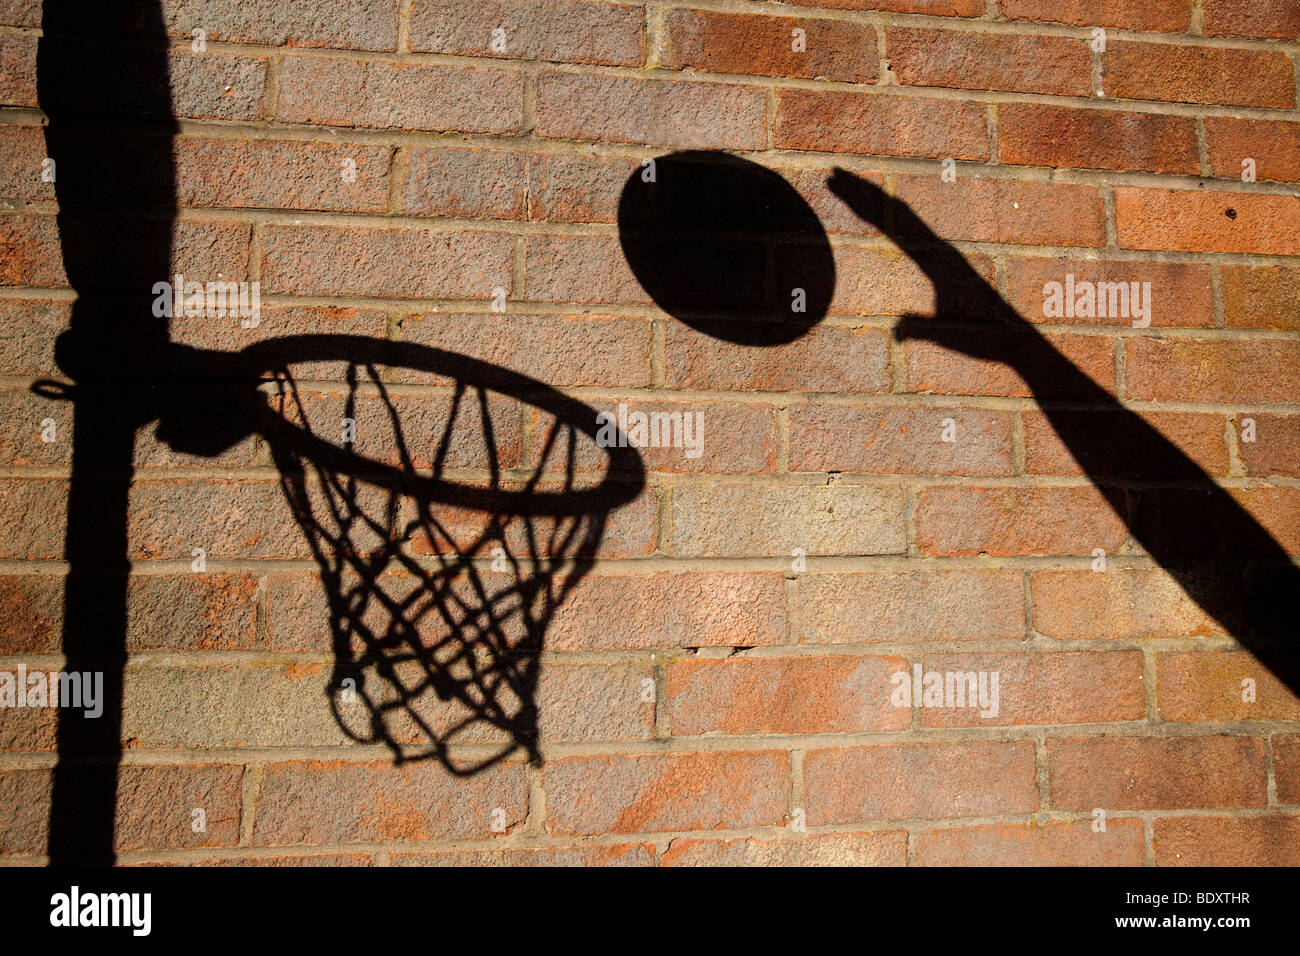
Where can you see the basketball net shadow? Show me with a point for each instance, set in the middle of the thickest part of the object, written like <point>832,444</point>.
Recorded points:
<point>440,591</point>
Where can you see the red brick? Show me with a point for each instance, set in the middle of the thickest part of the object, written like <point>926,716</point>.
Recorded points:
<point>899,440</point>
<point>1207,221</point>
<point>318,802</point>
<point>1176,521</point>
<point>629,529</point>
<point>623,109</point>
<point>560,350</point>
<point>935,8</point>
<point>896,606</point>
<point>617,854</point>
<point>1197,686</point>
<point>1227,841</point>
<point>989,61</point>
<point>888,848</point>
<point>1273,145</point>
<point>1124,604</point>
<point>18,70</point>
<point>20,13</point>
<point>1286,767</point>
<point>1168,16</point>
<point>798,695</point>
<point>271,174</point>
<point>692,609</point>
<point>31,605</point>
<point>22,151</point>
<point>750,521</point>
<point>576,188</point>
<point>1156,773</point>
<point>153,808</point>
<point>313,860</point>
<point>579,269</point>
<point>295,23</point>
<point>406,263</point>
<point>203,85</point>
<point>1006,210</point>
<point>1213,370</point>
<point>887,282</point>
<point>402,96</point>
<point>555,30</point>
<point>230,518</point>
<point>827,359</point>
<point>1198,74</point>
<point>733,439</point>
<point>33,326</point>
<point>1261,297</point>
<point>938,780</point>
<point>1276,448</point>
<point>932,368</point>
<point>646,794</point>
<point>1181,293</point>
<point>743,43</point>
<point>870,123</point>
<point>1044,688</point>
<point>835,215</point>
<point>1033,134</point>
<point>194,612</point>
<point>1252,18</point>
<point>1007,521</point>
<point>470,183</point>
<point>1127,454</point>
<point>31,251</point>
<point>1033,844</point>
<point>33,512</point>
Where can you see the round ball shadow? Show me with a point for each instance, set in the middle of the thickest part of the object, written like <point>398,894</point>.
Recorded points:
<point>727,246</point>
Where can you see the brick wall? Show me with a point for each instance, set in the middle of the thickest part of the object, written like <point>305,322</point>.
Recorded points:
<point>716,685</point>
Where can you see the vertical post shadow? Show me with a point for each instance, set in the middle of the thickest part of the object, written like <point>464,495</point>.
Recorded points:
<point>103,82</point>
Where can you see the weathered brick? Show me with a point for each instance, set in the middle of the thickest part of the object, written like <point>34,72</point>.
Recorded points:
<point>1181,293</point>
<point>554,30</point>
<point>1261,297</point>
<point>693,609</point>
<point>912,606</point>
<point>1273,145</point>
<point>1033,844</point>
<point>886,848</point>
<point>936,8</point>
<point>194,612</point>
<point>617,854</point>
<point>1213,370</point>
<point>989,61</point>
<point>1276,446</point>
<point>579,269</point>
<point>1007,210</point>
<point>1252,18</point>
<point>33,325</point>
<point>1207,221</point>
<point>828,358</point>
<point>280,175</point>
<point>1033,134</point>
<point>230,518</point>
<point>798,695</point>
<point>33,512</point>
<point>1076,688</point>
<point>22,153</point>
<point>296,23</point>
<point>929,367</point>
<point>746,520</point>
<point>1198,74</point>
<point>406,263</point>
<point>576,188</point>
<point>1006,521</point>
<point>1196,686</point>
<point>869,123</point>
<point>931,781</point>
<point>1156,773</point>
<point>1227,841</point>
<point>403,96</point>
<point>1286,767</point>
<point>1186,523</point>
<point>471,183</point>
<point>560,350</point>
<point>319,802</point>
<point>646,794</point>
<point>18,70</point>
<point>1126,604</point>
<point>899,440</point>
<point>1168,16</point>
<point>887,282</point>
<point>1200,437</point>
<point>621,109</point>
<point>21,13</point>
<point>744,43</point>
<point>31,606</point>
